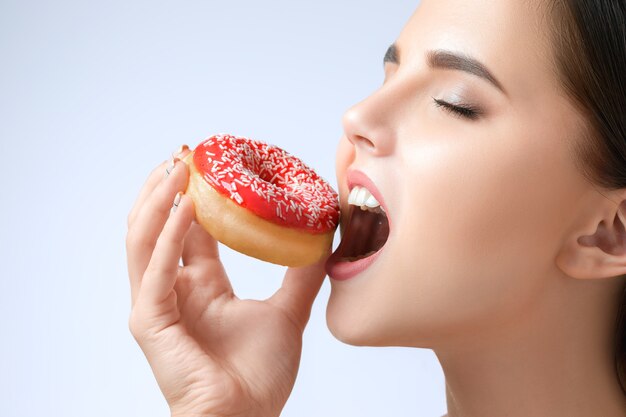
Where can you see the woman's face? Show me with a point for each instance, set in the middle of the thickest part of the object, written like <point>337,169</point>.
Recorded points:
<point>477,206</point>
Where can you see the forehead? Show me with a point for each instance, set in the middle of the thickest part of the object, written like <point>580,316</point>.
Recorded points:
<point>511,37</point>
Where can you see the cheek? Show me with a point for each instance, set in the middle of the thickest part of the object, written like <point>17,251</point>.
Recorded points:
<point>482,225</point>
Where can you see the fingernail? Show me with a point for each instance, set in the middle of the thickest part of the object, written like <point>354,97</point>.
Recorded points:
<point>170,168</point>
<point>180,150</point>
<point>176,202</point>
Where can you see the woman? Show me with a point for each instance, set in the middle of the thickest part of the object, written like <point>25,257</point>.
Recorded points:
<point>498,145</point>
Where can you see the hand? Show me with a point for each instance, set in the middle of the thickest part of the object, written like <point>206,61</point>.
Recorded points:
<point>212,354</point>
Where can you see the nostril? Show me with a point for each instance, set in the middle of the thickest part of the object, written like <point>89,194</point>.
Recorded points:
<point>361,140</point>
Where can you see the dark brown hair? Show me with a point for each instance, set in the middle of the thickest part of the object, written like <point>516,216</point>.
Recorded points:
<point>589,40</point>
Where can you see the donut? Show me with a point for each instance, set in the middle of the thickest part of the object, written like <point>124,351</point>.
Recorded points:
<point>259,200</point>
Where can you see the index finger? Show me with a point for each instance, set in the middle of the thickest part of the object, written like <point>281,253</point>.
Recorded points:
<point>153,180</point>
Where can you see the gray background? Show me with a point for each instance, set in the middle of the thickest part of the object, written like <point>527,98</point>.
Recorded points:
<point>93,95</point>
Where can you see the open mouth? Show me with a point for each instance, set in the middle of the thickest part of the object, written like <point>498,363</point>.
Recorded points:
<point>367,228</point>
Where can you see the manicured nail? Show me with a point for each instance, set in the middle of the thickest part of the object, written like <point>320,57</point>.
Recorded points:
<point>180,150</point>
<point>176,202</point>
<point>170,168</point>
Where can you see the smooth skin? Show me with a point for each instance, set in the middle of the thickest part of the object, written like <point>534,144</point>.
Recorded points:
<point>502,257</point>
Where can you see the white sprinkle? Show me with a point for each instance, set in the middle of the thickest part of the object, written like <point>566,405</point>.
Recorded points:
<point>226,185</point>
<point>237,197</point>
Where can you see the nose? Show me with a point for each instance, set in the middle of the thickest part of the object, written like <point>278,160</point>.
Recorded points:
<point>369,125</point>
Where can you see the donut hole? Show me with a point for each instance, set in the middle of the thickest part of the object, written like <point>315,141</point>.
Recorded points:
<point>292,182</point>
<point>256,165</point>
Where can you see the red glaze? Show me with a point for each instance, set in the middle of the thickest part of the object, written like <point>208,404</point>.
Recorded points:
<point>269,182</point>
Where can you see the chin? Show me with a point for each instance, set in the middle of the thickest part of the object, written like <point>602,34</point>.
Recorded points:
<point>347,333</point>
<point>356,322</point>
<point>355,325</point>
<point>345,322</point>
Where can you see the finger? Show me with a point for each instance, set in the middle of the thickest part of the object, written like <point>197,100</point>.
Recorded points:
<point>155,177</point>
<point>203,266</point>
<point>153,180</point>
<point>149,223</point>
<point>200,246</point>
<point>299,289</point>
<point>160,276</point>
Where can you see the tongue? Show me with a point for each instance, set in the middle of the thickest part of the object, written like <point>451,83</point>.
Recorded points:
<point>366,232</point>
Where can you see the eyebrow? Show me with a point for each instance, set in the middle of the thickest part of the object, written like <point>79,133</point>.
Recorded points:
<point>439,58</point>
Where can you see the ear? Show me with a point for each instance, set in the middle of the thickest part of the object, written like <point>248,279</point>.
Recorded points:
<point>590,254</point>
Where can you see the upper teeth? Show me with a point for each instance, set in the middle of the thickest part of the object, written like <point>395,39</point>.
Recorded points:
<point>360,196</point>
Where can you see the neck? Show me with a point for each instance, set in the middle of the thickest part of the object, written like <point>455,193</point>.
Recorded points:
<point>555,358</point>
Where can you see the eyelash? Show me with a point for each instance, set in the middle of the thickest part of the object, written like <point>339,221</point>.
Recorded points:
<point>464,111</point>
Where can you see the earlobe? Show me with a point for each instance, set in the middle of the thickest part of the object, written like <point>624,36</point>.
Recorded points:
<point>601,254</point>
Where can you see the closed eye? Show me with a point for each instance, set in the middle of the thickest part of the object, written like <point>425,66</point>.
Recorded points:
<point>459,110</point>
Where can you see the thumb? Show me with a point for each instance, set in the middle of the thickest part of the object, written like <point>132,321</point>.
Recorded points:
<point>299,289</point>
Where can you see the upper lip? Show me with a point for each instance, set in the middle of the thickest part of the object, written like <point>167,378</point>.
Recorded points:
<point>356,177</point>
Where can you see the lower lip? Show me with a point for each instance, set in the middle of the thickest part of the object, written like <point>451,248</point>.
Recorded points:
<point>343,270</point>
